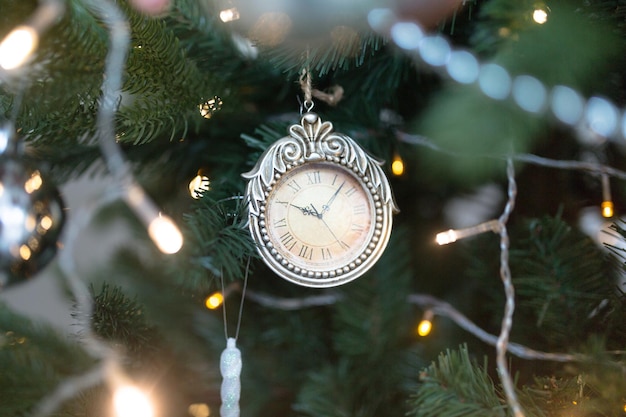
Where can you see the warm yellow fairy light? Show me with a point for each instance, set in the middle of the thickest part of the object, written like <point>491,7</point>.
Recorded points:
<point>46,222</point>
<point>444,238</point>
<point>165,234</point>
<point>397,166</point>
<point>228,15</point>
<point>129,401</point>
<point>607,209</point>
<point>161,229</point>
<point>214,300</point>
<point>33,183</point>
<point>25,252</point>
<point>424,328</point>
<point>451,235</point>
<point>607,203</point>
<point>209,107</point>
<point>17,46</point>
<point>426,325</point>
<point>540,16</point>
<point>199,185</point>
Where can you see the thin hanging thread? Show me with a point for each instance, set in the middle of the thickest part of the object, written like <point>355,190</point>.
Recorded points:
<point>243,296</point>
<point>332,97</point>
<point>307,89</point>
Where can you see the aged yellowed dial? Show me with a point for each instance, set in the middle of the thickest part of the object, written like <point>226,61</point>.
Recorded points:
<point>320,207</point>
<point>319,216</point>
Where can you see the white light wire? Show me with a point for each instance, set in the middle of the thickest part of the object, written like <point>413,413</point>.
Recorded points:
<point>84,305</point>
<point>108,368</point>
<point>509,291</point>
<point>119,35</point>
<point>427,302</point>
<point>572,165</point>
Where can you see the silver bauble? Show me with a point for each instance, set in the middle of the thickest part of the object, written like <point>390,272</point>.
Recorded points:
<point>31,220</point>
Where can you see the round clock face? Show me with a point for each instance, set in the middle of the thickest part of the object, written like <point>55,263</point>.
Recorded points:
<point>321,223</point>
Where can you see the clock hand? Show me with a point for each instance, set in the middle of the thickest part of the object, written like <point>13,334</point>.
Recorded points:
<point>316,213</point>
<point>326,206</point>
<point>305,210</point>
<point>319,216</point>
<point>343,245</point>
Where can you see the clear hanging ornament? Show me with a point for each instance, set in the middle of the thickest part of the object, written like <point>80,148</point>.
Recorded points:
<point>31,215</point>
<point>230,368</point>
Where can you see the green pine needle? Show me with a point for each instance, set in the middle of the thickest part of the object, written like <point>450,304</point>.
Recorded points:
<point>456,386</point>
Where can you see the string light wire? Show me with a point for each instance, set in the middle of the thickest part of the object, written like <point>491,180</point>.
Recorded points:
<point>509,290</point>
<point>101,351</point>
<point>426,301</point>
<point>162,230</point>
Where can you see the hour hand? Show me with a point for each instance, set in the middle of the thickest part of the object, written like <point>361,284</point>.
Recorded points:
<point>305,210</point>
<point>316,213</point>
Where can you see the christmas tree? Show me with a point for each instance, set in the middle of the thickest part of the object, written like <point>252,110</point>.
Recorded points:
<point>500,291</point>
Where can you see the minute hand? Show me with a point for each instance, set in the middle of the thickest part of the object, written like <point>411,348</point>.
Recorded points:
<point>326,206</point>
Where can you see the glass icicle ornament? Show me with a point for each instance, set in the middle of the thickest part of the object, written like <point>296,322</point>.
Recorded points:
<point>230,368</point>
<point>31,215</point>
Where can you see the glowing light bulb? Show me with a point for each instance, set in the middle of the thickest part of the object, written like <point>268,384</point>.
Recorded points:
<point>25,252</point>
<point>129,401</point>
<point>17,46</point>
<point>214,300</point>
<point>540,16</point>
<point>397,166</point>
<point>228,15</point>
<point>209,107</point>
<point>451,235</point>
<point>444,238</point>
<point>424,328</point>
<point>165,234</point>
<point>46,222</point>
<point>33,183</point>
<point>199,185</point>
<point>426,325</point>
<point>607,209</point>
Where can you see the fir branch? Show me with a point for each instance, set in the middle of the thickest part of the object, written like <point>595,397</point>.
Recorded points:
<point>218,239</point>
<point>344,48</point>
<point>34,359</point>
<point>561,277</point>
<point>162,89</point>
<point>265,135</point>
<point>121,320</point>
<point>456,386</point>
<point>376,361</point>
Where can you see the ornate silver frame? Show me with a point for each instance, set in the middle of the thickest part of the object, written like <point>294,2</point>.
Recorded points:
<point>315,141</point>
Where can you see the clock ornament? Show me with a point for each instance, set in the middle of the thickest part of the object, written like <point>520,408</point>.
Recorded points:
<point>320,208</point>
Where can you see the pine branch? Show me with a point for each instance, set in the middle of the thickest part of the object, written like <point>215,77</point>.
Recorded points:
<point>456,386</point>
<point>34,360</point>
<point>219,241</point>
<point>376,363</point>
<point>161,93</point>
<point>118,319</point>
<point>561,278</point>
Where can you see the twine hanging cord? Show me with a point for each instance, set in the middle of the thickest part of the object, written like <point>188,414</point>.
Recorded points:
<point>332,96</point>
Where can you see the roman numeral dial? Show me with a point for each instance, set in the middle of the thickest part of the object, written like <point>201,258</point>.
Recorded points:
<point>320,217</point>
